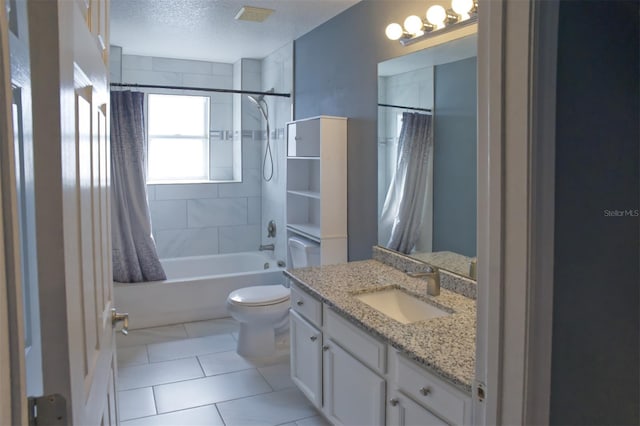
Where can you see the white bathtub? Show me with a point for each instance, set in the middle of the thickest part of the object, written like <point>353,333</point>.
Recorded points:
<point>196,288</point>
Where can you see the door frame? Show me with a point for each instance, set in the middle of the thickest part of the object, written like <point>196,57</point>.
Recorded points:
<point>517,45</point>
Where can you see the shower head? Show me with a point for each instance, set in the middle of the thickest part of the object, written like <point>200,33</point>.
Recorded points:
<point>263,107</point>
<point>256,99</point>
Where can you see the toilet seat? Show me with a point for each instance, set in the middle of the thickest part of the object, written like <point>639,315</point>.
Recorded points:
<point>262,295</point>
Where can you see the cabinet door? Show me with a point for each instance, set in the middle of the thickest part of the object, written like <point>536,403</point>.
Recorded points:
<point>303,138</point>
<point>403,411</point>
<point>306,358</point>
<point>353,394</point>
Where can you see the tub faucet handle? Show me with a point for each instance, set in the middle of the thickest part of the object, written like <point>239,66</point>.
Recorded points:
<point>271,229</point>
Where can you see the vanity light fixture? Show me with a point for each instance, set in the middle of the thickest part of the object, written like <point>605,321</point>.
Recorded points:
<point>437,15</point>
<point>413,25</point>
<point>439,19</point>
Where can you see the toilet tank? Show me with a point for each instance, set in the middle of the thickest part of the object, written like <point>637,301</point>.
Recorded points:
<point>304,252</point>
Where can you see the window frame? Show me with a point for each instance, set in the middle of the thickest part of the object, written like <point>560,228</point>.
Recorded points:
<point>230,128</point>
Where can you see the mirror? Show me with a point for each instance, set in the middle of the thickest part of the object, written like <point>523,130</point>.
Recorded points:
<point>427,140</point>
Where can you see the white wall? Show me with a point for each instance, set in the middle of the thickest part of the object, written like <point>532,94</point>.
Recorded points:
<point>277,73</point>
<point>206,218</point>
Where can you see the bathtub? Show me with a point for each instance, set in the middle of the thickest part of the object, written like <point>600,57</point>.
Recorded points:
<point>196,288</point>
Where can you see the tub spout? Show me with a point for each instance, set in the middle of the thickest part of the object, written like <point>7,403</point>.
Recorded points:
<point>267,247</point>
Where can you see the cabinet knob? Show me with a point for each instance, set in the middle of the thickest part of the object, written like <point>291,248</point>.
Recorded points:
<point>300,302</point>
<point>393,402</point>
<point>313,338</point>
<point>325,348</point>
<point>425,391</point>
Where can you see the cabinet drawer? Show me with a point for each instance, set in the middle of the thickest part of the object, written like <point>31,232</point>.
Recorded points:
<point>438,396</point>
<point>403,411</point>
<point>306,305</point>
<point>355,341</point>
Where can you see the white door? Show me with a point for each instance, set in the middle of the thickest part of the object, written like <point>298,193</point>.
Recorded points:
<point>352,393</point>
<point>71,157</point>
<point>25,196</point>
<point>13,410</point>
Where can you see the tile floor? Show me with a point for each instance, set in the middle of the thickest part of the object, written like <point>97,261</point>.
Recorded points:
<point>189,374</point>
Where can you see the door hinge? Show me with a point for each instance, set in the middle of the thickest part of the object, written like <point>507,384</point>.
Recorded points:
<point>49,410</point>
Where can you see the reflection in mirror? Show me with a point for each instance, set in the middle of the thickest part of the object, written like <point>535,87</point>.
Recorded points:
<point>427,155</point>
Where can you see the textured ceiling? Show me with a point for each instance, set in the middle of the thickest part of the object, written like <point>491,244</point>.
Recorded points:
<point>206,30</point>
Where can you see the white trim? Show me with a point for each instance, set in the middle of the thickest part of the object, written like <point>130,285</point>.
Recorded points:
<point>542,187</point>
<point>516,87</point>
<point>490,168</point>
<point>5,330</point>
<point>13,406</point>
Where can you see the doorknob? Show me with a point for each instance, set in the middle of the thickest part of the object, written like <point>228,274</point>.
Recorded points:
<point>117,317</point>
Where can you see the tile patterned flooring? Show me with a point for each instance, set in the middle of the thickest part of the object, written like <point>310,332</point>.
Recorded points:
<point>189,375</point>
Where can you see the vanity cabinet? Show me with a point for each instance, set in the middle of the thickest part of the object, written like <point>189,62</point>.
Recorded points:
<point>316,183</point>
<point>327,363</point>
<point>353,378</point>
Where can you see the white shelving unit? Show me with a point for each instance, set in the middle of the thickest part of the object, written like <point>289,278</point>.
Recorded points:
<point>317,184</point>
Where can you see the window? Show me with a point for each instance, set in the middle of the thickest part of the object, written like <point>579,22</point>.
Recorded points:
<point>178,138</point>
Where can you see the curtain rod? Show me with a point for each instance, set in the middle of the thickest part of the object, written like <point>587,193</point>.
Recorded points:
<point>201,89</point>
<point>405,107</point>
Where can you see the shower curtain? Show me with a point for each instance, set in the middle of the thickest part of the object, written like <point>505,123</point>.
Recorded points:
<point>404,205</point>
<point>134,252</point>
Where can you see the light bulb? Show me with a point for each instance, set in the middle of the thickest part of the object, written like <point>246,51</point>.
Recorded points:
<point>394,31</point>
<point>413,24</point>
<point>436,15</point>
<point>462,7</point>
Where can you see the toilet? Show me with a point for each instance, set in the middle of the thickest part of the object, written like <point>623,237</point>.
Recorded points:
<point>262,309</point>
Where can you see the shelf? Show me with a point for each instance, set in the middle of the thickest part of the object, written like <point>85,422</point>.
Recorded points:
<point>308,194</point>
<point>308,230</point>
<point>316,185</point>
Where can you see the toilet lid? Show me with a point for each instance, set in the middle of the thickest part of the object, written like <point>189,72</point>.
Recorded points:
<point>260,295</point>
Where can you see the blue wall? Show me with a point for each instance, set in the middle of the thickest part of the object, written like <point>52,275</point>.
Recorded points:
<point>454,157</point>
<point>595,355</point>
<point>336,73</point>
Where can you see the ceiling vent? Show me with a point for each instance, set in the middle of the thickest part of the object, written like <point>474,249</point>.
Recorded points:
<point>253,14</point>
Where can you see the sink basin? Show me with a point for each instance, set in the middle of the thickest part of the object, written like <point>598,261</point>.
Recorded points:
<point>401,306</point>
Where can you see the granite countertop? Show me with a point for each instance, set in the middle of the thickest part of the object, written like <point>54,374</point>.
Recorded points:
<point>444,345</point>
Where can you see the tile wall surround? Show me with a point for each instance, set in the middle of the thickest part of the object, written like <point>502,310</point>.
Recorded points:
<point>213,218</point>
<point>448,280</point>
<point>277,73</point>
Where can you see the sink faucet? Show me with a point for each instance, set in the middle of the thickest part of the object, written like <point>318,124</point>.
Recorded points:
<point>433,285</point>
<point>267,247</point>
